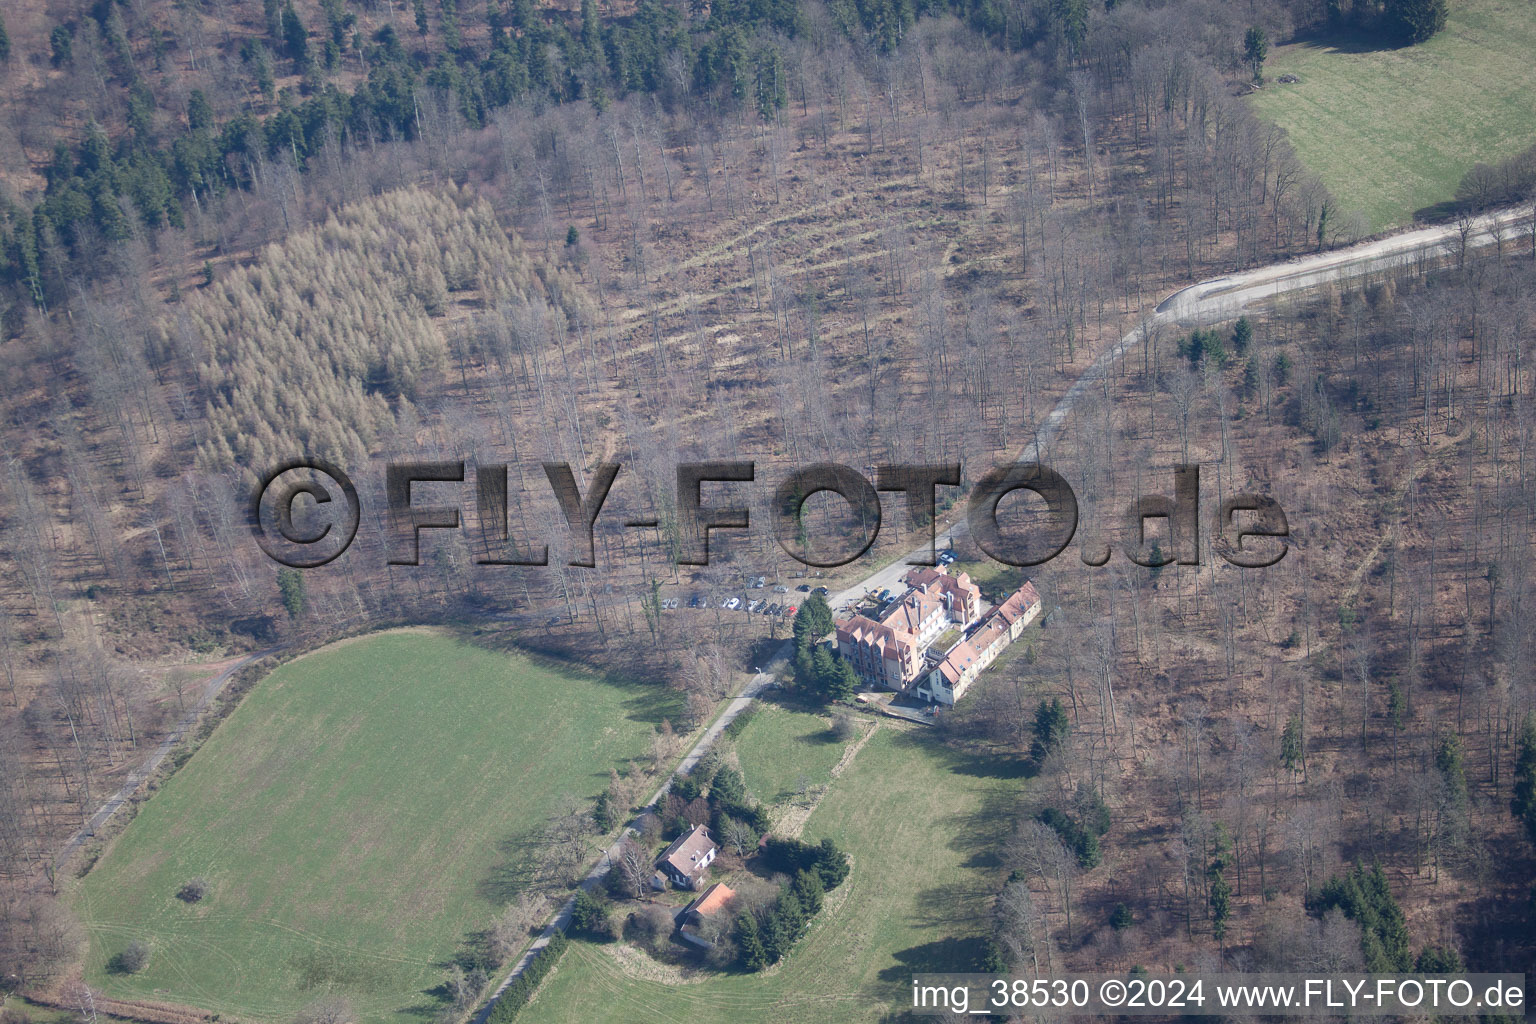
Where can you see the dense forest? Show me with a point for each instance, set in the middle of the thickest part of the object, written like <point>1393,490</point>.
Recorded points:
<point>151,146</point>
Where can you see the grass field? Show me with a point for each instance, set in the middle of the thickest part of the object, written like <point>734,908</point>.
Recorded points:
<point>1392,131</point>
<point>36,1013</point>
<point>919,826</point>
<point>364,809</point>
<point>779,746</point>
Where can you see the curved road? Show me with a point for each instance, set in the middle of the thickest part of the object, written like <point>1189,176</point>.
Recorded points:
<point>1225,298</point>
<point>1213,300</point>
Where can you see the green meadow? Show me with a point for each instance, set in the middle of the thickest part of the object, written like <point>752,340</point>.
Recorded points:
<point>921,825</point>
<point>1392,130</point>
<point>362,811</point>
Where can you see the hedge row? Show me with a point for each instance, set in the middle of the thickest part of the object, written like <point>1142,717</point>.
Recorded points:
<point>506,1009</point>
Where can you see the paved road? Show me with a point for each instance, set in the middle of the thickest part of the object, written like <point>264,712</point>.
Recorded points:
<point>1209,301</point>
<point>739,704</point>
<point>1225,298</point>
<point>136,777</point>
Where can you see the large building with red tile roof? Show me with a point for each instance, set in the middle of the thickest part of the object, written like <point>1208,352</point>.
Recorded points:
<point>888,652</point>
<point>881,655</point>
<point>960,597</point>
<point>951,674</point>
<point>894,651</point>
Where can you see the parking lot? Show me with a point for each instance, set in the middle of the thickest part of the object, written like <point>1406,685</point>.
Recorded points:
<point>753,595</point>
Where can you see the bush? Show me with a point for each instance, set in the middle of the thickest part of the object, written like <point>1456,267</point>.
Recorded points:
<point>728,786</point>
<point>1121,917</point>
<point>193,891</point>
<point>1092,810</point>
<point>739,723</point>
<point>606,816</point>
<point>1203,345</point>
<point>791,856</point>
<point>1365,898</point>
<point>686,788</point>
<point>989,958</point>
<point>1081,840</point>
<point>1281,370</point>
<point>651,926</point>
<point>131,960</point>
<point>520,991</point>
<point>1416,20</point>
<point>327,1010</point>
<point>1242,335</point>
<point>708,765</point>
<point>589,916</point>
<point>1051,727</point>
<point>783,922</point>
<point>728,799</point>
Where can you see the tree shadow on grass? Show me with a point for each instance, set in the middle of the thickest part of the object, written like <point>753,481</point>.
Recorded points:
<point>791,699</point>
<point>819,738</point>
<point>1437,213</point>
<point>974,762</point>
<point>1348,39</point>
<point>516,871</point>
<point>647,700</point>
<point>636,675</point>
<point>653,704</point>
<point>949,955</point>
<point>980,834</point>
<point>429,1011</point>
<point>952,902</point>
<point>323,969</point>
<point>762,650</point>
<point>441,994</point>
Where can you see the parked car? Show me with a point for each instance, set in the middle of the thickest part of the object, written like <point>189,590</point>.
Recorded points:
<point>762,581</point>
<point>820,590</point>
<point>752,605</point>
<point>770,609</point>
<point>806,587</point>
<point>791,610</point>
<point>696,601</point>
<point>781,590</point>
<point>733,604</point>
